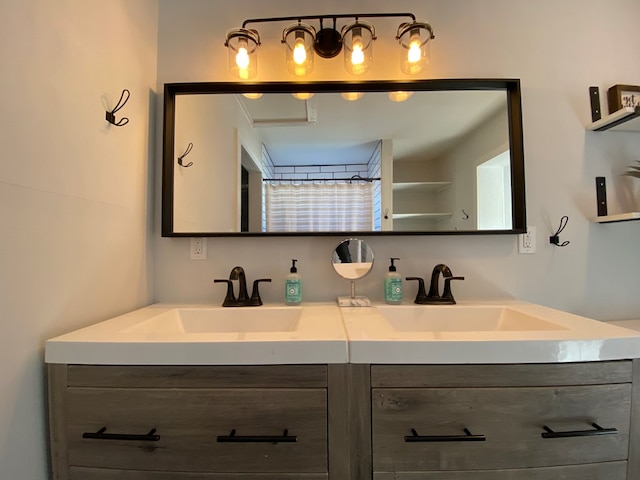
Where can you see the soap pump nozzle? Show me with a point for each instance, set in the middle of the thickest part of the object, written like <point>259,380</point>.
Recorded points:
<point>392,267</point>
<point>293,268</point>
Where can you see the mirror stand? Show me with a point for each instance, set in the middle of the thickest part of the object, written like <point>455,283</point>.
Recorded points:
<point>354,300</point>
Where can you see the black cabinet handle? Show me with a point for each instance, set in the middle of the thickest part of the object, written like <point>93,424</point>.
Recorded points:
<point>598,430</point>
<point>233,438</point>
<point>101,435</point>
<point>467,437</point>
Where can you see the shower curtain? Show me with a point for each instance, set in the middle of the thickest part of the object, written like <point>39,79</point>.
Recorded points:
<point>319,207</point>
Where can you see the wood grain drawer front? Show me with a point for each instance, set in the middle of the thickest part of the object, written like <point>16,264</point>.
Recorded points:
<point>516,375</point>
<point>512,420</point>
<point>598,471</point>
<point>83,473</point>
<point>189,422</point>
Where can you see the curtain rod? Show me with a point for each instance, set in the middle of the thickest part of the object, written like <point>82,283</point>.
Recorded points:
<point>351,179</point>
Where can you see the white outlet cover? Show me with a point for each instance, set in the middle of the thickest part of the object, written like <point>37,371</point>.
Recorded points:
<point>198,248</point>
<point>527,241</point>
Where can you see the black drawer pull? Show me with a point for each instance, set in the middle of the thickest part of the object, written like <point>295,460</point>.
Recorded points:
<point>598,430</point>
<point>100,435</point>
<point>467,437</point>
<point>233,438</point>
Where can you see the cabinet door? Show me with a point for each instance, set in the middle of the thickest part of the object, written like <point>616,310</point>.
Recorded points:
<point>198,430</point>
<point>603,471</point>
<point>512,421</point>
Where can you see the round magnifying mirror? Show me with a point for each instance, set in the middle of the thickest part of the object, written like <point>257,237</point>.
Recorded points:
<point>352,259</point>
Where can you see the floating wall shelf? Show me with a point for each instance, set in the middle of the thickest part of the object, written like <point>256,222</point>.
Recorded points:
<point>626,119</point>
<point>621,217</point>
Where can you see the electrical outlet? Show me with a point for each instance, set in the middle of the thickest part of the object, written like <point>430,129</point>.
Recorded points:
<point>198,248</point>
<point>527,241</point>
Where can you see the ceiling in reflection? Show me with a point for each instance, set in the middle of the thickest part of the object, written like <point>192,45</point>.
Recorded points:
<point>297,132</point>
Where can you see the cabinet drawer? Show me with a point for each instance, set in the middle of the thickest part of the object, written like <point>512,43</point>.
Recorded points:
<point>83,473</point>
<point>190,424</point>
<point>511,419</point>
<point>598,471</point>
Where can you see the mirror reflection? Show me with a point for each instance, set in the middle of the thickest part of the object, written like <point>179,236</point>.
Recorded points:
<point>447,157</point>
<point>352,259</point>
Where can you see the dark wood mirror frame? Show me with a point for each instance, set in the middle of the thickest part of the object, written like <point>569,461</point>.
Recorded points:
<point>510,86</point>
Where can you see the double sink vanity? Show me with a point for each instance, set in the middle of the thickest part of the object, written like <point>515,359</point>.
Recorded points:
<point>468,391</point>
<point>473,391</point>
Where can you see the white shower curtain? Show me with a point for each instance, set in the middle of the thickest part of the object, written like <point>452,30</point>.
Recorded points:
<point>319,207</point>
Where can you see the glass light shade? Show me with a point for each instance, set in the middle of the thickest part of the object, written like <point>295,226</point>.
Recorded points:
<point>415,43</point>
<point>352,96</point>
<point>358,40</point>
<point>252,96</point>
<point>242,45</point>
<point>298,40</point>
<point>399,96</point>
<point>303,96</point>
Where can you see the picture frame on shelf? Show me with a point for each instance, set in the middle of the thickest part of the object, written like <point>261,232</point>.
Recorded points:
<point>621,96</point>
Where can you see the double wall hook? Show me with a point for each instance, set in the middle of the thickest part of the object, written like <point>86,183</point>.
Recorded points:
<point>186,152</point>
<point>555,238</point>
<point>111,116</point>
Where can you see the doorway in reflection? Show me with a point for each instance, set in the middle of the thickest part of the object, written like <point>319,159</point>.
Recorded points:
<point>493,182</point>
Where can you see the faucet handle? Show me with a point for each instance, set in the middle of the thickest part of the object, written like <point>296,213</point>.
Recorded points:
<point>421,297</point>
<point>446,294</point>
<point>255,299</point>
<point>229,299</point>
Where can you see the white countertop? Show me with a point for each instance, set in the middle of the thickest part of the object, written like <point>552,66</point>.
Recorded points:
<point>319,337</point>
<point>576,339</point>
<point>324,333</point>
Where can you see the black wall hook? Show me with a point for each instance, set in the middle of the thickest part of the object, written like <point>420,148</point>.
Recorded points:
<point>111,116</point>
<point>186,152</point>
<point>555,238</point>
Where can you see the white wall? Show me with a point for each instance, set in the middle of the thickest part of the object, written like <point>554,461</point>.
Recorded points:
<point>557,49</point>
<point>74,192</point>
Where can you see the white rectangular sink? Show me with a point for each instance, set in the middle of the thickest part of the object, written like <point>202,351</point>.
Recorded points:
<point>208,335</point>
<point>220,320</point>
<point>481,332</point>
<point>450,318</point>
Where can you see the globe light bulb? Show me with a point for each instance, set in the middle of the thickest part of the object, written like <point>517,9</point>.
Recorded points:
<point>299,52</point>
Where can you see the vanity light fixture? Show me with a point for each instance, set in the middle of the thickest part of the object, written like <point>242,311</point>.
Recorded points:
<point>303,96</point>
<point>303,41</point>
<point>352,96</point>
<point>399,96</point>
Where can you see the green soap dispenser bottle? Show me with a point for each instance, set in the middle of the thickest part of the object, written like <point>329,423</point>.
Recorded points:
<point>293,286</point>
<point>393,285</point>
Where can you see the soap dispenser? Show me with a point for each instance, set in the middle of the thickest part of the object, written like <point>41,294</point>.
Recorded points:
<point>393,285</point>
<point>293,286</point>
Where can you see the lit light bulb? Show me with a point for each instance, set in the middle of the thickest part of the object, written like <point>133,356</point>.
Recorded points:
<point>303,96</point>
<point>352,96</point>
<point>299,52</point>
<point>357,55</point>
<point>415,52</point>
<point>242,57</point>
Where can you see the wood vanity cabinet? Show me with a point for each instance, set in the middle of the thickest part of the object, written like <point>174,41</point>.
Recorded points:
<point>195,423</point>
<point>349,422</point>
<point>503,422</point>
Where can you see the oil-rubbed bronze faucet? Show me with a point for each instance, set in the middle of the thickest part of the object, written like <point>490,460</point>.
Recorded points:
<point>243,299</point>
<point>434,297</point>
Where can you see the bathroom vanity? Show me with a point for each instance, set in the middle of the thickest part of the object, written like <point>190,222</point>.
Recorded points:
<point>566,406</point>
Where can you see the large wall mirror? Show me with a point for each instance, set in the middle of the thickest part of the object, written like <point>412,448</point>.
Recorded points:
<point>336,158</point>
